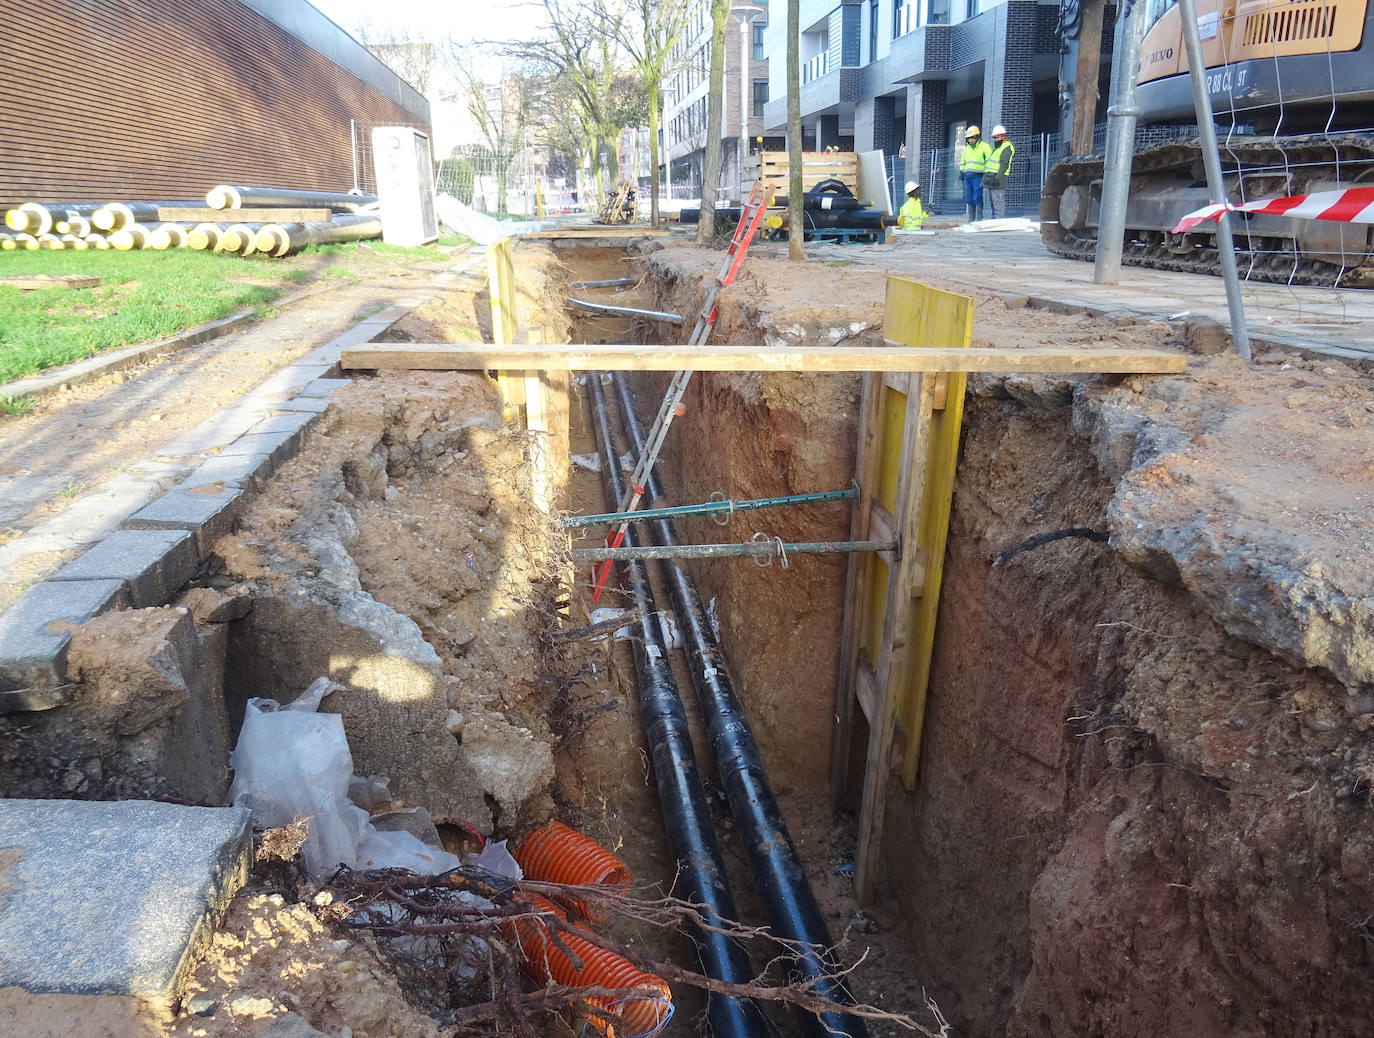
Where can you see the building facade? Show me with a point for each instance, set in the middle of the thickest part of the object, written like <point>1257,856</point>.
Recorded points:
<point>907,77</point>
<point>687,87</point>
<point>163,99</point>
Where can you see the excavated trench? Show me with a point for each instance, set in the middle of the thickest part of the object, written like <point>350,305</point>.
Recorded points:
<point>1143,803</point>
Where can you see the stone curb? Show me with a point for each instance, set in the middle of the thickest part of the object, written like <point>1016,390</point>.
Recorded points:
<point>157,536</point>
<point>92,368</point>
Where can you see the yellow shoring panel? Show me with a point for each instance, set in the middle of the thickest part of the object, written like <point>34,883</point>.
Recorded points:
<point>891,418</point>
<point>918,315</point>
<point>876,607</point>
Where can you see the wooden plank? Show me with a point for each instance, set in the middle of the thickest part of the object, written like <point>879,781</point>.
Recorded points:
<point>183,214</point>
<point>623,357</point>
<point>866,688</point>
<point>49,281</point>
<point>856,595</point>
<point>599,231</point>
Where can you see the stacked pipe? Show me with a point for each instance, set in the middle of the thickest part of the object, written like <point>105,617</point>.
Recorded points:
<point>778,873</point>
<point>138,225</point>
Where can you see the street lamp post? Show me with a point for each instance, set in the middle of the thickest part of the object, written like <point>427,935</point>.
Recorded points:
<point>746,14</point>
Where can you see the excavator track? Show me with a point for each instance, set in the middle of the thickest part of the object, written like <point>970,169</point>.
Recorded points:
<point>1268,167</point>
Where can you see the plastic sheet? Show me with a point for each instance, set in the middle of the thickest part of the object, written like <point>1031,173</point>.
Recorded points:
<point>293,763</point>
<point>481,228</point>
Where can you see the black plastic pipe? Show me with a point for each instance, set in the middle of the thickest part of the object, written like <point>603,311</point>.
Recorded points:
<point>786,893</point>
<point>681,796</point>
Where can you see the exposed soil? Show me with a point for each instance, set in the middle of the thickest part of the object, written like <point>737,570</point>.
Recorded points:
<point>1144,800</point>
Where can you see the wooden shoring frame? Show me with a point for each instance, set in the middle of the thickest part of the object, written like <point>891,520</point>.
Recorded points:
<point>908,444</point>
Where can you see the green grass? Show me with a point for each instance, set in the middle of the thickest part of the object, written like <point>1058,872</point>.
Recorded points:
<point>143,296</point>
<point>13,406</point>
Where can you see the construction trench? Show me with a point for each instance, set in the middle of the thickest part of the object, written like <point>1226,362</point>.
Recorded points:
<point>1142,803</point>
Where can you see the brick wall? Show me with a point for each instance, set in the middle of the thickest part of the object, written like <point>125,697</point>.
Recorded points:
<point>163,99</point>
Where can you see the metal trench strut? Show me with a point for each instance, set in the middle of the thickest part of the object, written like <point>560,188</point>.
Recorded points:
<point>751,215</point>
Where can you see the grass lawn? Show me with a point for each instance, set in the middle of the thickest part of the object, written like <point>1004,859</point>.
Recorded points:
<point>149,295</point>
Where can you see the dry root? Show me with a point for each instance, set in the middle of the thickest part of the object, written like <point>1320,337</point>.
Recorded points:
<point>451,932</point>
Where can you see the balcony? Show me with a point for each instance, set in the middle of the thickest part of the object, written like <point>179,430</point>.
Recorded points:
<point>816,67</point>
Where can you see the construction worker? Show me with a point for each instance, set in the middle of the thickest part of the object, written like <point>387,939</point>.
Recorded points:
<point>973,163</point>
<point>998,170</point>
<point>913,213</point>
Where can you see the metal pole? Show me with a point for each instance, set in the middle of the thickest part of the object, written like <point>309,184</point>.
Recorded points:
<point>1216,188</point>
<point>353,143</point>
<point>626,311</point>
<point>749,549</point>
<point>723,507</point>
<point>1121,117</point>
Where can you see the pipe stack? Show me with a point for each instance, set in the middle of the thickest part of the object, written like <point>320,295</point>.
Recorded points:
<point>197,225</point>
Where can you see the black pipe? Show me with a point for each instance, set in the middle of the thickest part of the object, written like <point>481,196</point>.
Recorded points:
<point>777,868</point>
<point>681,796</point>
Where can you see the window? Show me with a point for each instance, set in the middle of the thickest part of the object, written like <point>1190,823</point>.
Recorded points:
<point>873,31</point>
<point>760,97</point>
<point>898,19</point>
<point>758,39</point>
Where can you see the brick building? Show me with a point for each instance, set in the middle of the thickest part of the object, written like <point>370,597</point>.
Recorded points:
<point>908,76</point>
<point>162,99</point>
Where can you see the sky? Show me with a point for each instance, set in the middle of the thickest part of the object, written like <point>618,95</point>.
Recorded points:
<point>474,20</point>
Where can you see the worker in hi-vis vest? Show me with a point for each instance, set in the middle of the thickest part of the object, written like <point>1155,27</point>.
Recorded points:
<point>973,163</point>
<point>998,170</point>
<point>913,213</point>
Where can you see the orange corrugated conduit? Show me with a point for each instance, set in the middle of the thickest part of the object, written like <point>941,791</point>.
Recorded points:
<point>641,1015</point>
<point>557,854</point>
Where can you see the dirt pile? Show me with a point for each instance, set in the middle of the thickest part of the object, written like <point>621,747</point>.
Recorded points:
<point>398,556</point>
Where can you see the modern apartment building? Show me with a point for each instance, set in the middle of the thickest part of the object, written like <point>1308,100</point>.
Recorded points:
<point>746,94</point>
<point>908,76</point>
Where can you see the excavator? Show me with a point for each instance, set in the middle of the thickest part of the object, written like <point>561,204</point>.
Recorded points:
<point>1292,88</point>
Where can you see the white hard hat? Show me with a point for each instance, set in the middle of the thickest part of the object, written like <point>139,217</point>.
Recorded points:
<point>999,130</point>
<point>972,131</point>
<point>911,186</point>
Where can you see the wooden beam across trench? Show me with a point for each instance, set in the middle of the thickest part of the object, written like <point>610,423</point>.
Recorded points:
<point>889,357</point>
<point>913,401</point>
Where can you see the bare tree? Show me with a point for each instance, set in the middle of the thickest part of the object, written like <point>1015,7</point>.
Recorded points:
<point>407,55</point>
<point>649,36</point>
<point>796,234</point>
<point>710,163</point>
<point>499,111</point>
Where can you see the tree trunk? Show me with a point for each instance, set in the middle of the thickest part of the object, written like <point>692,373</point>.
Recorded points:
<point>796,231</point>
<point>653,151</point>
<point>710,163</point>
<point>1085,80</point>
<point>501,174</point>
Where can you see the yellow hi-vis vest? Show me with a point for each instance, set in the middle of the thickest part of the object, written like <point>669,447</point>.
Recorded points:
<point>913,214</point>
<point>975,158</point>
<point>999,158</point>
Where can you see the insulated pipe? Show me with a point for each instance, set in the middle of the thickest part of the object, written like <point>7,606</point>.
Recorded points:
<point>73,223</point>
<point>681,796</point>
<point>117,215</point>
<point>612,283</point>
<point>134,236</point>
<point>237,237</point>
<point>7,242</point>
<point>97,241</point>
<point>855,219</point>
<point>40,218</point>
<point>26,241</point>
<point>282,239</point>
<point>626,311</point>
<point>777,868</point>
<point>71,241</point>
<point>231,196</point>
<point>176,234</point>
<point>51,241</point>
<point>203,237</point>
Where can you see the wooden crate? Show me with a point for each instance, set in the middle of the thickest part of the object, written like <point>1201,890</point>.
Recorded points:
<point>773,167</point>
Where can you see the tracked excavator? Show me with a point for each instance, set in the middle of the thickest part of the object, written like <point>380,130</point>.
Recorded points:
<point>1292,87</point>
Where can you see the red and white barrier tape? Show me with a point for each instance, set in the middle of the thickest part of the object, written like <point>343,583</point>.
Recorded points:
<point>1353,205</point>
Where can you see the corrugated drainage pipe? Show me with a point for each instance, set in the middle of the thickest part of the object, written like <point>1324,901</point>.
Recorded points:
<point>777,868</point>
<point>686,815</point>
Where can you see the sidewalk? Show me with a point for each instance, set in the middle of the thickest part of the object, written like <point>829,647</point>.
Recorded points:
<point>1336,322</point>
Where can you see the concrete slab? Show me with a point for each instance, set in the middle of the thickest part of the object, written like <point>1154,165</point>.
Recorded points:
<point>34,635</point>
<point>278,446</point>
<point>234,470</point>
<point>314,405</point>
<point>208,511</point>
<point>114,898</point>
<point>284,423</point>
<point>153,564</point>
<point>325,386</point>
